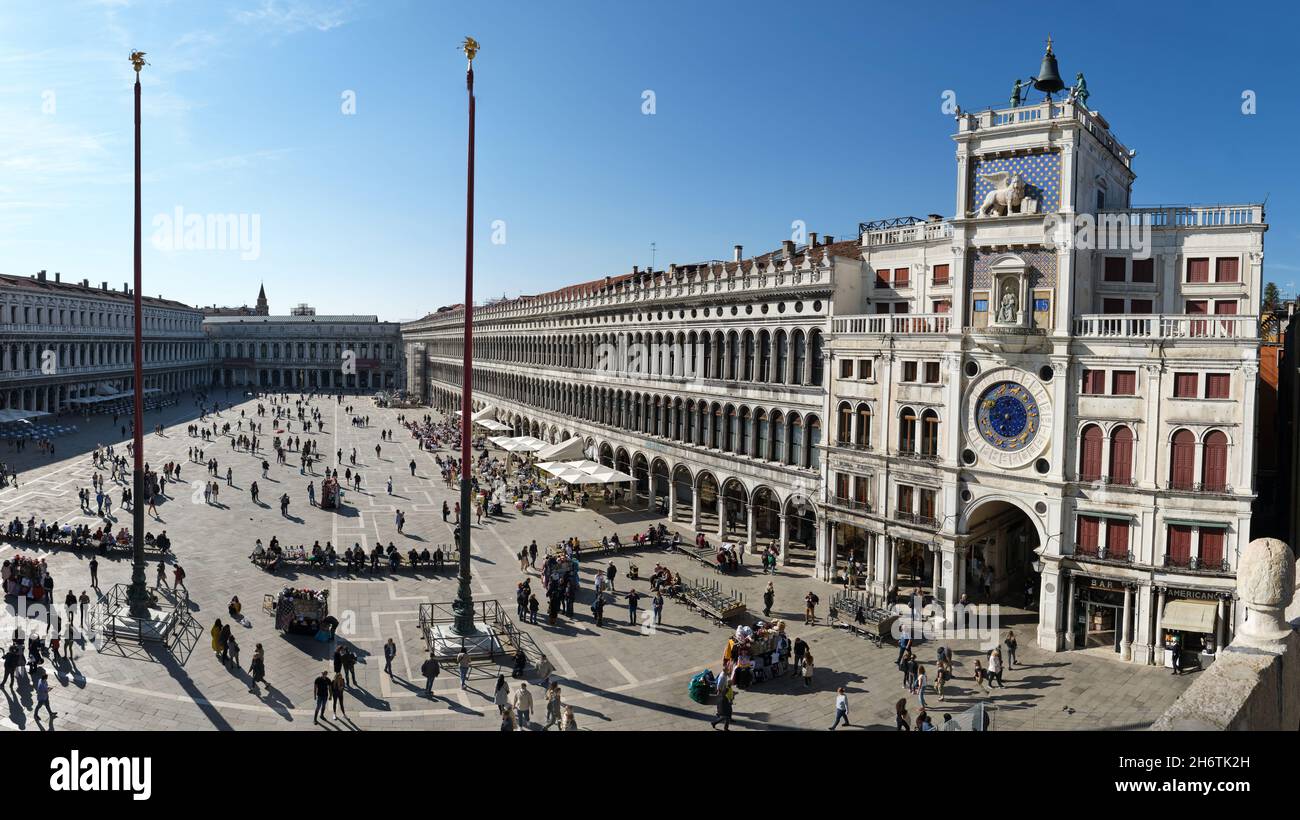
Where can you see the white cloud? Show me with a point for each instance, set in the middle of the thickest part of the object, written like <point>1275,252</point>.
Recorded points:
<point>292,16</point>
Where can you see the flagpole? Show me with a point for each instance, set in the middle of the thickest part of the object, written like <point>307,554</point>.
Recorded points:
<point>464,605</point>
<point>138,593</point>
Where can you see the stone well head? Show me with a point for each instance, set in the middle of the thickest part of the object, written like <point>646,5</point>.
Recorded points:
<point>1266,584</point>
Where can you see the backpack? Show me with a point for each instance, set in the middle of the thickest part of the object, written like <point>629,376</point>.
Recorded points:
<point>813,599</point>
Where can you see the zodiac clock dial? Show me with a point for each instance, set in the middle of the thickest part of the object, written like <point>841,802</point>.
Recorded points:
<point>1008,416</point>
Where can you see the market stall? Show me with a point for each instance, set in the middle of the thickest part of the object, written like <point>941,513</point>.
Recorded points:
<point>329,494</point>
<point>757,654</point>
<point>301,611</point>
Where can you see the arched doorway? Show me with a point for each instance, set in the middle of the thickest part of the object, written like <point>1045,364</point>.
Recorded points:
<point>622,463</point>
<point>708,489</point>
<point>1001,540</point>
<point>659,485</point>
<point>801,530</point>
<point>767,516</point>
<point>606,455</point>
<point>641,484</point>
<point>735,511</point>
<point>683,488</point>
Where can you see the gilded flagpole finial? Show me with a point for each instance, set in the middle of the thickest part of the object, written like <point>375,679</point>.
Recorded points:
<point>137,60</point>
<point>470,47</point>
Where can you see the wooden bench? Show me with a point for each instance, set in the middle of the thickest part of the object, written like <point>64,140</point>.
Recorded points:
<point>876,624</point>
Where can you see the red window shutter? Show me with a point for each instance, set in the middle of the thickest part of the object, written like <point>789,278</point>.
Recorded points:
<point>1180,543</point>
<point>1218,385</point>
<point>1124,383</point>
<point>901,277</point>
<point>882,278</point>
<point>1090,454</point>
<point>1197,307</point>
<point>1112,305</point>
<point>1121,455</point>
<point>1094,382</point>
<point>1089,529</point>
<point>942,306</point>
<point>1198,270</point>
<point>1115,266</point>
<point>1225,308</point>
<point>1142,307</point>
<point>1212,539</point>
<point>1116,538</point>
<point>1225,270</point>
<point>1185,385</point>
<point>900,307</point>
<point>882,307</point>
<point>941,274</point>
<point>1183,460</point>
<point>1144,270</point>
<point>1214,468</point>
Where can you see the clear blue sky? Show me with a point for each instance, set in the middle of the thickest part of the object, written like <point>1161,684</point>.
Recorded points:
<point>765,113</point>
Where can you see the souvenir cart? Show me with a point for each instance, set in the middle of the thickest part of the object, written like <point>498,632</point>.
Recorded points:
<point>300,611</point>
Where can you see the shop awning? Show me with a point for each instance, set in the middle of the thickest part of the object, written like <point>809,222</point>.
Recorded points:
<point>1190,616</point>
<point>488,412</point>
<point>567,450</point>
<point>491,424</point>
<point>519,444</point>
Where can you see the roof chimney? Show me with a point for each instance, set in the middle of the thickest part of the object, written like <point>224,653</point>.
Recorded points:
<point>827,239</point>
<point>40,276</point>
<point>57,276</point>
<point>737,252</point>
<point>85,283</point>
<point>636,269</point>
<point>812,239</point>
<point>126,287</point>
<point>787,246</point>
<point>102,285</point>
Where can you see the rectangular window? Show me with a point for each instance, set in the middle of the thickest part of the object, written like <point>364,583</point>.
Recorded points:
<point>1141,307</point>
<point>909,371</point>
<point>1212,539</point>
<point>901,307</point>
<point>1218,385</point>
<point>901,277</point>
<point>981,306</point>
<point>1094,383</point>
<point>1144,270</point>
<point>1198,270</point>
<point>1112,306</point>
<point>1116,538</point>
<point>931,372</point>
<point>926,507</point>
<point>1179,548</point>
<point>1115,268</point>
<point>1124,382</point>
<point>942,306</point>
<point>1185,385</point>
<point>846,368</point>
<point>841,485</point>
<point>1225,270</point>
<point>882,308</point>
<point>864,368</point>
<point>860,487</point>
<point>941,274</point>
<point>882,278</point>
<point>1086,539</point>
<point>904,499</point>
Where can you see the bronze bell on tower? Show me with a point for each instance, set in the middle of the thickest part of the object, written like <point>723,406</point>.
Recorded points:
<point>1049,80</point>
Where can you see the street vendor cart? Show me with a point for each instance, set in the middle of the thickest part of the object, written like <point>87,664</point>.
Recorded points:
<point>329,494</point>
<point>301,611</point>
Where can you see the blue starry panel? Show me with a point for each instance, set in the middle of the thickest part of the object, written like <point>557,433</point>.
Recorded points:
<point>1008,416</point>
<point>1041,173</point>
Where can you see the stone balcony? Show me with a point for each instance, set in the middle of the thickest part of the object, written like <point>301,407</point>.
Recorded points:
<point>888,324</point>
<point>1166,327</point>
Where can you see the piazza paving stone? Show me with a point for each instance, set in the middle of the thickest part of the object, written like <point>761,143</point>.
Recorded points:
<point>615,677</point>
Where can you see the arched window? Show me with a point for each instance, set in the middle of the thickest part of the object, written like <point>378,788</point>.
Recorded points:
<point>782,350</point>
<point>814,439</point>
<point>1121,455</point>
<point>731,428</point>
<point>745,431</point>
<point>748,374</point>
<point>796,441</point>
<point>800,355</point>
<point>907,430</point>
<point>863,437</point>
<point>733,366</point>
<point>690,422</point>
<point>764,356</point>
<point>760,426</point>
<point>716,441</point>
<point>1214,466</point>
<point>778,437</point>
<point>1090,453</point>
<point>844,433</point>
<point>815,350</point>
<point>929,433</point>
<point>1182,460</point>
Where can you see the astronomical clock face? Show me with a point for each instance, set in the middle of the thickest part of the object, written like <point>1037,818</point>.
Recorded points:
<point>1009,417</point>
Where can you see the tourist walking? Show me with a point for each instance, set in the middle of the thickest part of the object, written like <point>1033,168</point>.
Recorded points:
<point>807,669</point>
<point>523,705</point>
<point>724,709</point>
<point>553,706</point>
<point>321,688</point>
<point>501,695</point>
<point>43,699</point>
<point>841,709</point>
<point>900,716</point>
<point>995,668</point>
<point>1011,648</point>
<point>257,668</point>
<point>430,669</point>
<point>337,687</point>
<point>769,598</point>
<point>390,652</point>
<point>462,664</point>
<point>810,608</point>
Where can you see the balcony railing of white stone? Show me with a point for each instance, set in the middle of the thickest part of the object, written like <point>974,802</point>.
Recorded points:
<point>927,521</point>
<point>1197,327</point>
<point>884,324</point>
<point>904,234</point>
<point>1046,110</point>
<point>1189,216</point>
<point>1199,487</point>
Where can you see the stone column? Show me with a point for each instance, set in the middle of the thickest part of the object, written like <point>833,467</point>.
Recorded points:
<point>1069,615</point>
<point>1158,639</point>
<point>1126,648</point>
<point>749,527</point>
<point>784,541</point>
<point>672,498</point>
<point>695,510</point>
<point>1221,615</point>
<point>892,577</point>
